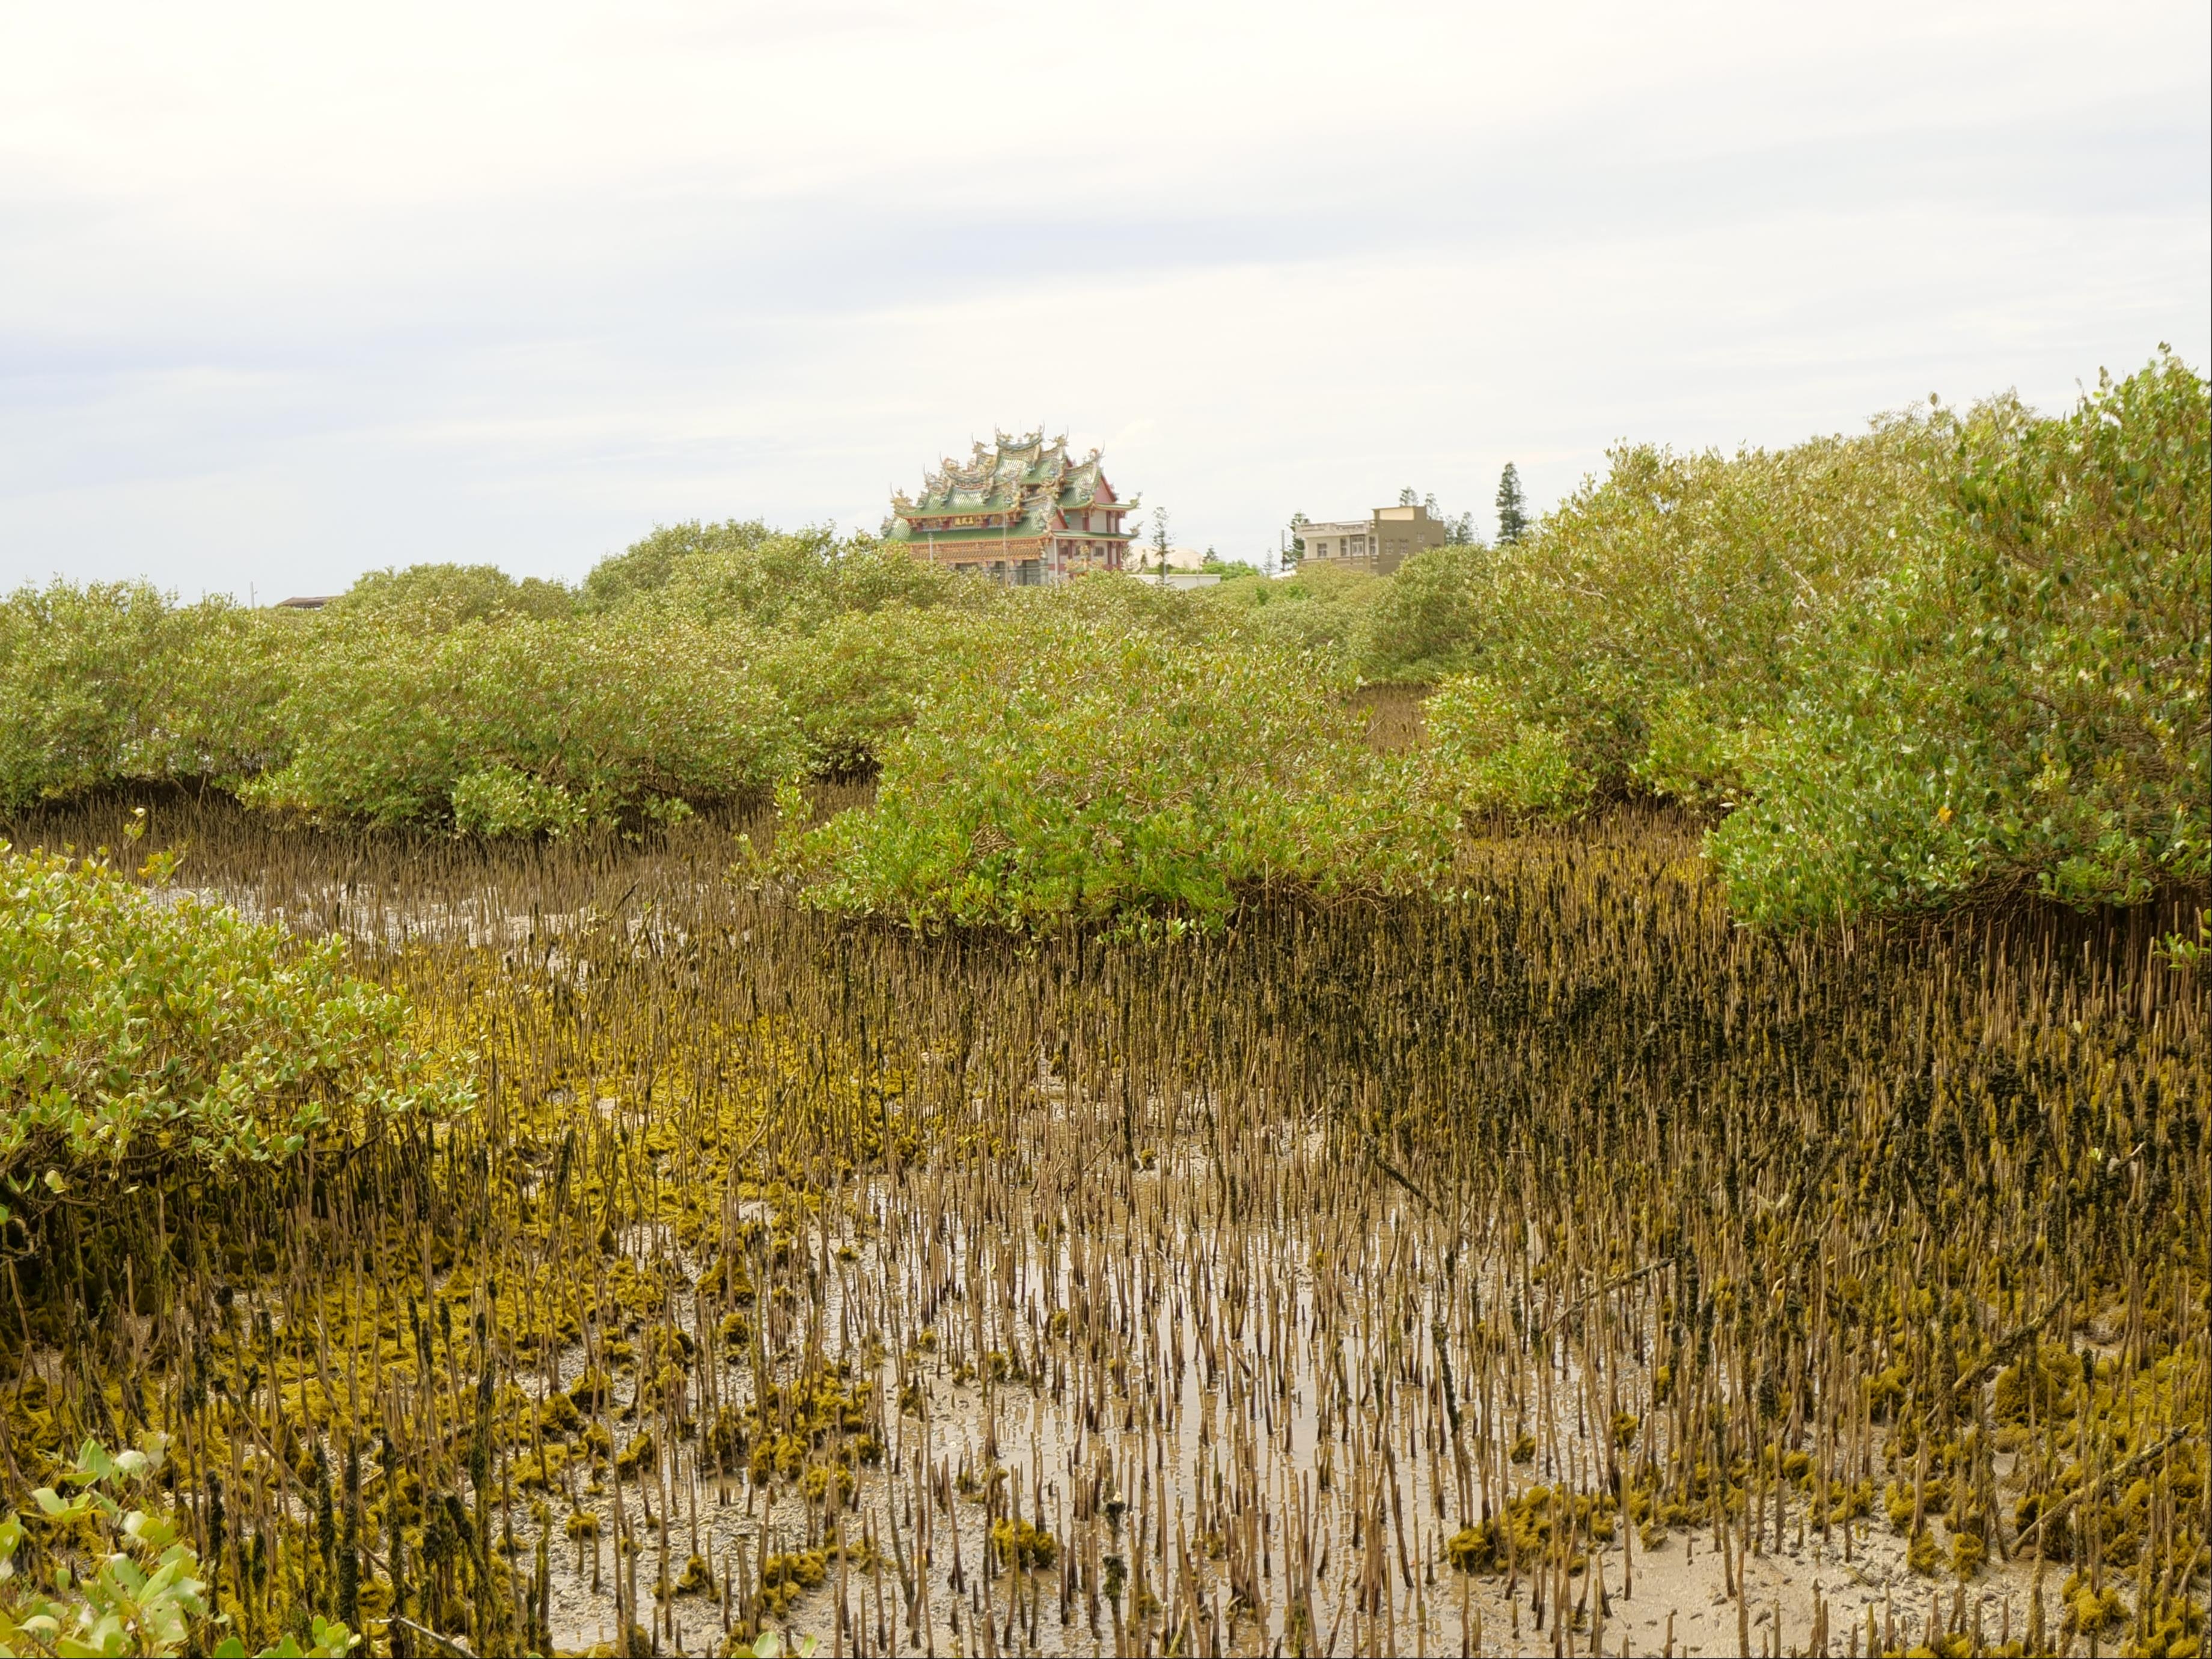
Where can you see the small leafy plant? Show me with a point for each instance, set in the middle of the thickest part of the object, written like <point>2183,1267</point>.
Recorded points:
<point>116,1578</point>
<point>149,1031</point>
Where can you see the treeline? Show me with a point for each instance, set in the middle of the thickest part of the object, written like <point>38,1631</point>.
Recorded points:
<point>1956,656</point>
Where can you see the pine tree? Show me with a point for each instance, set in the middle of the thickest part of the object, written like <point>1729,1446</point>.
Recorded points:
<point>1512,518</point>
<point>1160,541</point>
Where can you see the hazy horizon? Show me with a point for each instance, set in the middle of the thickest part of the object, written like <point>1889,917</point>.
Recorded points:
<point>292,295</point>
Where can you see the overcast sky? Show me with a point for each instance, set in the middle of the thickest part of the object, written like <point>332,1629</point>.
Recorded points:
<point>291,292</point>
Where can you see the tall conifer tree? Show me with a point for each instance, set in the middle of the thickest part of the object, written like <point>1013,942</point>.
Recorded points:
<point>1512,518</point>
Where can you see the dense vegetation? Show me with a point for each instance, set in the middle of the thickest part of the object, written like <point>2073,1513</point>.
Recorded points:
<point>147,1037</point>
<point>1055,775</point>
<point>1956,656</point>
<point>498,1218</point>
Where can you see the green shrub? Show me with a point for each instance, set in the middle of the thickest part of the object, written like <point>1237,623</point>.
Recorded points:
<point>794,582</point>
<point>851,686</point>
<point>1321,609</point>
<point>1697,750</point>
<point>1659,613</point>
<point>76,700</point>
<point>2023,706</point>
<point>512,726</point>
<point>1068,773</point>
<point>647,565</point>
<point>1430,618</point>
<point>1955,655</point>
<point>113,684</point>
<point>217,712</point>
<point>147,1031</point>
<point>1487,759</point>
<point>497,801</point>
<point>110,1579</point>
<point>430,598</point>
<point>1123,603</point>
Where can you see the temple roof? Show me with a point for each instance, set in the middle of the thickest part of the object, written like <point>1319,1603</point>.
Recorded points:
<point>1025,474</point>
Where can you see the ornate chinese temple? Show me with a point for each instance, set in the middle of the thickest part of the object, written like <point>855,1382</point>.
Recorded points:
<point>1022,513</point>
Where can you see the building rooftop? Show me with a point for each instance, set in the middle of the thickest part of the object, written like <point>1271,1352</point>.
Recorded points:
<point>1025,476</point>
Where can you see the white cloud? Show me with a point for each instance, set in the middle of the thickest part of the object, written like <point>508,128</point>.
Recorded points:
<point>288,293</point>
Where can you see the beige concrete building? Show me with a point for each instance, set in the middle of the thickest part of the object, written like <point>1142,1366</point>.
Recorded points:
<point>1380,542</point>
